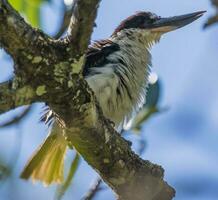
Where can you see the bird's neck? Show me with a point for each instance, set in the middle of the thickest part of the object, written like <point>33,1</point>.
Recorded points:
<point>134,37</point>
<point>135,61</point>
<point>135,48</point>
<point>135,51</point>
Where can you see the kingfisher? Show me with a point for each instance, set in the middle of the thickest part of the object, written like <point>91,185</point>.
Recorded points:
<point>117,70</point>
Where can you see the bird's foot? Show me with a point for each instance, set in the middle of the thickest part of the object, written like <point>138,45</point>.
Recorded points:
<point>111,123</point>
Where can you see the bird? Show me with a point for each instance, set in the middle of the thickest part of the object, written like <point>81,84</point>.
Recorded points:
<point>117,70</point>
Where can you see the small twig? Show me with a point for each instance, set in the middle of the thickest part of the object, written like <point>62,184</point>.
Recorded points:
<point>211,21</point>
<point>214,19</point>
<point>17,118</point>
<point>95,188</point>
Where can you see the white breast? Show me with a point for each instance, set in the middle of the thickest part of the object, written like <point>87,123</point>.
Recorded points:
<point>119,106</point>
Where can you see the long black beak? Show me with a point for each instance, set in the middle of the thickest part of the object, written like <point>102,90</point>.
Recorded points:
<point>172,23</point>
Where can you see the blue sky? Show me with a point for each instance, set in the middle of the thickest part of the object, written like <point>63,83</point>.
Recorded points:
<point>183,139</point>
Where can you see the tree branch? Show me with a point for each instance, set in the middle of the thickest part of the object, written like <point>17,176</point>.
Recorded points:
<point>111,156</point>
<point>16,35</point>
<point>213,19</point>
<point>95,188</point>
<point>11,98</point>
<point>17,119</point>
<point>81,24</point>
<point>108,153</point>
<point>52,74</point>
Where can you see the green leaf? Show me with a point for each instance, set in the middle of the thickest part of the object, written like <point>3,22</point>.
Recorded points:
<point>17,4</point>
<point>149,108</point>
<point>153,94</point>
<point>30,9</point>
<point>63,188</point>
<point>141,117</point>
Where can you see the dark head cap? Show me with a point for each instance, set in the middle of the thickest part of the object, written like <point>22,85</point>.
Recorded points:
<point>150,21</point>
<point>138,20</point>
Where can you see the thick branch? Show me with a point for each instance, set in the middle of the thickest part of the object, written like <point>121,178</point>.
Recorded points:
<point>109,154</point>
<point>11,98</point>
<point>128,175</point>
<point>17,36</point>
<point>81,25</point>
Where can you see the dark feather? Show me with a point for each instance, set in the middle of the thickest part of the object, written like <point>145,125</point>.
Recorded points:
<point>138,20</point>
<point>49,117</point>
<point>97,54</point>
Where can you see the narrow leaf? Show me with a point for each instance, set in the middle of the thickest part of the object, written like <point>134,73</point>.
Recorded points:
<point>63,188</point>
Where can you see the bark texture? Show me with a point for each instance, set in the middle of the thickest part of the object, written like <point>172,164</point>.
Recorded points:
<point>49,70</point>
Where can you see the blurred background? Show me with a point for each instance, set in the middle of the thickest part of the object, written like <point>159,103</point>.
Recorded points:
<point>178,127</point>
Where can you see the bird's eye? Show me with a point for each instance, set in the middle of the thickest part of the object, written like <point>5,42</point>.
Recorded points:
<point>148,21</point>
<point>151,20</point>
